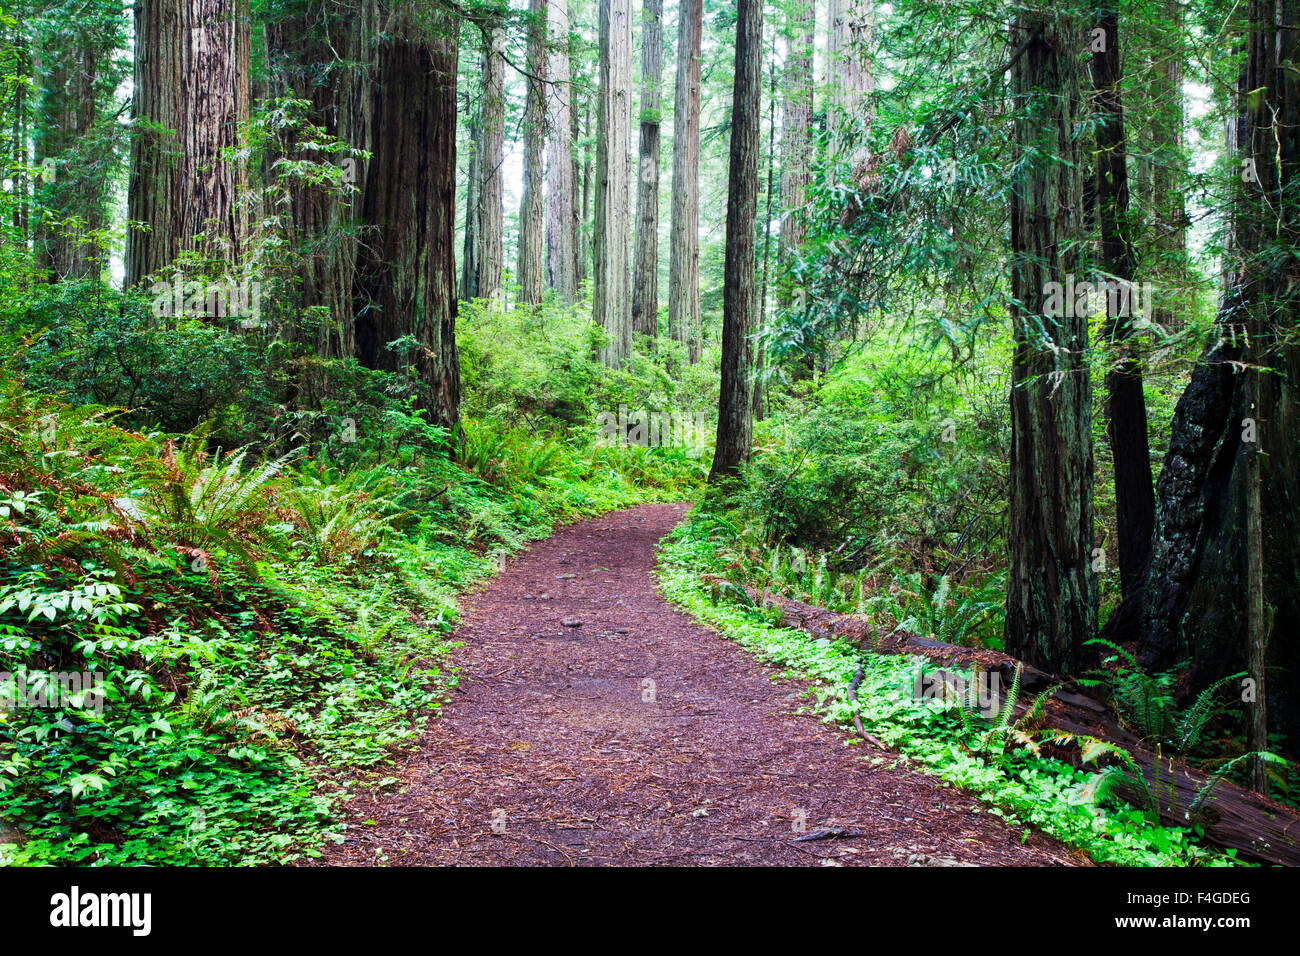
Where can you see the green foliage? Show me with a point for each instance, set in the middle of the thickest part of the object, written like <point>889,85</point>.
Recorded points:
<point>269,627</point>
<point>937,736</point>
<point>1147,702</point>
<point>956,617</point>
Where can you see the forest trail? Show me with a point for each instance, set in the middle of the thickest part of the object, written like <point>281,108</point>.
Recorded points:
<point>550,739</point>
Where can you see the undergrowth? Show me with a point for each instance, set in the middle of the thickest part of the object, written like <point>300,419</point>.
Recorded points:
<point>934,734</point>
<point>263,632</point>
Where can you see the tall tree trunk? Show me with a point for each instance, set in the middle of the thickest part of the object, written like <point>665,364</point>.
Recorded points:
<point>532,235</point>
<point>684,262</point>
<point>1256,624</point>
<point>645,280</point>
<point>318,56</point>
<point>582,245</point>
<point>1168,266</point>
<point>739,295</point>
<point>560,208</point>
<point>191,78</point>
<point>19,128</point>
<point>610,262</point>
<point>796,141</point>
<point>1218,565</point>
<point>760,384</point>
<point>491,160</point>
<point>1051,592</point>
<point>72,142</point>
<point>850,30</point>
<point>406,272</point>
<point>1126,413</point>
<point>469,268</point>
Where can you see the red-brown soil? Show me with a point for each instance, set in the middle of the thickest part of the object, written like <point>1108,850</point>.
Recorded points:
<point>553,738</point>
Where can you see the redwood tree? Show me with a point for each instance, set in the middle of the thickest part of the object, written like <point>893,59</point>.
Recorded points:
<point>319,56</point>
<point>1126,412</point>
<point>405,283</point>
<point>796,139</point>
<point>490,156</point>
<point>190,100</point>
<point>532,235</point>
<point>739,294</point>
<point>645,268</point>
<point>1227,541</point>
<point>75,137</point>
<point>1051,590</point>
<point>684,262</point>
<point>561,228</point>
<point>612,132</point>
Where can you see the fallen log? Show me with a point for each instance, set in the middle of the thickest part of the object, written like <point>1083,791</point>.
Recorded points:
<point>1232,817</point>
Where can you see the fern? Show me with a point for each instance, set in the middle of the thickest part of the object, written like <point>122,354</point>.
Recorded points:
<point>1204,793</point>
<point>1192,723</point>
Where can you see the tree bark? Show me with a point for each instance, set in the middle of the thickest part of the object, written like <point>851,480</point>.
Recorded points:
<point>316,55</point>
<point>191,79</point>
<point>1051,592</point>
<point>760,340</point>
<point>490,257</point>
<point>581,217</point>
<point>1168,266</point>
<point>469,267</point>
<point>70,133</point>
<point>739,295</point>
<point>796,141</point>
<point>405,278</point>
<point>684,262</point>
<point>1209,562</point>
<point>561,232</point>
<point>609,260</point>
<point>849,35</point>
<point>532,235</point>
<point>645,283</point>
<point>1126,414</point>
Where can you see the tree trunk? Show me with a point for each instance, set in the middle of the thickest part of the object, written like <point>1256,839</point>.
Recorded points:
<point>581,237</point>
<point>469,268</point>
<point>19,129</point>
<point>760,357</point>
<point>1168,266</point>
<point>191,78</point>
<point>739,295</point>
<point>406,271</point>
<point>1256,626</point>
<point>1051,592</point>
<point>304,63</point>
<point>796,142</point>
<point>849,36</point>
<point>491,158</point>
<point>78,63</point>
<point>610,262</point>
<point>560,210</point>
<point>645,282</point>
<point>1126,413</point>
<point>1209,562</point>
<point>684,264</point>
<point>532,208</point>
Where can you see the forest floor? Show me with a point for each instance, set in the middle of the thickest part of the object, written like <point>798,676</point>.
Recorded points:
<point>555,749</point>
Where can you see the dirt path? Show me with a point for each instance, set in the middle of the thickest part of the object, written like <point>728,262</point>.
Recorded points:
<point>550,739</point>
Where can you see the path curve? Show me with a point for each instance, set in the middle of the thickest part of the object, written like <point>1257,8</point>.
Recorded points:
<point>550,742</point>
